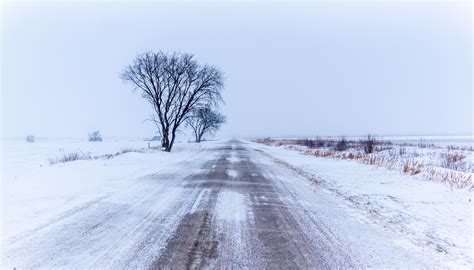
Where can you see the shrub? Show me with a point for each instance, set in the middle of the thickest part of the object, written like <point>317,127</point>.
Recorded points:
<point>266,140</point>
<point>306,142</point>
<point>95,136</point>
<point>454,161</point>
<point>70,157</point>
<point>412,166</point>
<point>422,144</point>
<point>402,151</point>
<point>30,138</point>
<point>368,144</point>
<point>341,145</point>
<point>319,142</point>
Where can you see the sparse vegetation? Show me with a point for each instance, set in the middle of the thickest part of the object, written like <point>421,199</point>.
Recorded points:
<point>73,156</point>
<point>30,138</point>
<point>95,136</point>
<point>437,164</point>
<point>412,166</point>
<point>423,144</point>
<point>70,157</point>
<point>368,144</point>
<point>341,145</point>
<point>454,161</point>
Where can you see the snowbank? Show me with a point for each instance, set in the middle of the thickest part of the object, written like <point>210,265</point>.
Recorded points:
<point>425,215</point>
<point>33,191</point>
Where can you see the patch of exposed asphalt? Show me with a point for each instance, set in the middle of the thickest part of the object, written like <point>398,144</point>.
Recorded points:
<point>287,240</point>
<point>195,242</point>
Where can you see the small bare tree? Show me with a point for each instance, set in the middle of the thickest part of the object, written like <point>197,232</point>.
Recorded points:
<point>175,85</point>
<point>30,138</point>
<point>341,145</point>
<point>204,121</point>
<point>368,144</point>
<point>95,136</point>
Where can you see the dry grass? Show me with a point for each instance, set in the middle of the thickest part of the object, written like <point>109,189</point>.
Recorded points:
<point>412,167</point>
<point>73,156</point>
<point>70,157</point>
<point>454,161</point>
<point>450,173</point>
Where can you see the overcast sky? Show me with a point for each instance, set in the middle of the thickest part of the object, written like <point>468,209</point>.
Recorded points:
<point>292,69</point>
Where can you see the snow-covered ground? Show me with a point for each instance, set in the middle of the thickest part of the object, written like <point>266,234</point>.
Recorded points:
<point>442,141</point>
<point>429,220</point>
<point>425,215</point>
<point>34,191</point>
<point>19,155</point>
<point>447,160</point>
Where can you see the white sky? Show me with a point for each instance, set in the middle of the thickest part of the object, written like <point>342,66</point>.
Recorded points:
<point>334,68</point>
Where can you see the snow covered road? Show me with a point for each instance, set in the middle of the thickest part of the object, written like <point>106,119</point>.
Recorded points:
<point>227,206</point>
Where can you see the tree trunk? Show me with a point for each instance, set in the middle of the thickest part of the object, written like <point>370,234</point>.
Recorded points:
<point>173,132</point>
<point>200,134</point>
<point>196,136</point>
<point>165,142</point>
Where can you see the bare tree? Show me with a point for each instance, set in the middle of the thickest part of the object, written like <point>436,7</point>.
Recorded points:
<point>30,138</point>
<point>341,145</point>
<point>174,84</point>
<point>204,121</point>
<point>369,144</point>
<point>95,136</point>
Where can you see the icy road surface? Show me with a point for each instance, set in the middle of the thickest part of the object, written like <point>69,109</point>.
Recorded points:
<point>228,206</point>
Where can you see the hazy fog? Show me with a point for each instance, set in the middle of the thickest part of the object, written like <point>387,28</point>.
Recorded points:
<point>291,69</point>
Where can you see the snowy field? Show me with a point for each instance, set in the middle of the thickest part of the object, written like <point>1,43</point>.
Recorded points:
<point>34,190</point>
<point>441,159</point>
<point>430,220</point>
<point>19,155</point>
<point>442,141</point>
